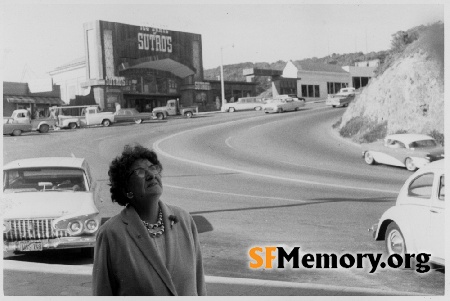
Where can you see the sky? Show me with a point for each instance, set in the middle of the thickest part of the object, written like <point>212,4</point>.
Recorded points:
<point>38,36</point>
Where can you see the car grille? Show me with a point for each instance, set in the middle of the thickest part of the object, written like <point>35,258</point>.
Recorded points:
<point>28,229</point>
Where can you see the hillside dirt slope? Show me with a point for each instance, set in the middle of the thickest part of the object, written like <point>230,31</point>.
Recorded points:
<point>406,97</point>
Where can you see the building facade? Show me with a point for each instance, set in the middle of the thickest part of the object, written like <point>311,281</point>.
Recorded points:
<point>142,67</point>
<point>69,78</point>
<point>18,96</point>
<point>314,81</point>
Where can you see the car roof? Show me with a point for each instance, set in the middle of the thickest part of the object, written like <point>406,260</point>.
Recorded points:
<point>435,165</point>
<point>45,162</point>
<point>408,138</point>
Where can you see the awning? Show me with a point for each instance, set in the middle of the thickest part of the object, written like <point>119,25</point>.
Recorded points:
<point>35,100</point>
<point>169,65</point>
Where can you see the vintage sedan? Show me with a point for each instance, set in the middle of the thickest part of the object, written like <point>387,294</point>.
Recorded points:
<point>282,104</point>
<point>341,99</point>
<point>49,204</point>
<point>243,104</point>
<point>416,223</point>
<point>131,115</point>
<point>405,150</point>
<point>13,128</point>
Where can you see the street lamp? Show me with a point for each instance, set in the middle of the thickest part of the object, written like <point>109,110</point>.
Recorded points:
<point>222,84</point>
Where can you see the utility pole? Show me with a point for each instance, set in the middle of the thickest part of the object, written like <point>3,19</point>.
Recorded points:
<point>222,82</point>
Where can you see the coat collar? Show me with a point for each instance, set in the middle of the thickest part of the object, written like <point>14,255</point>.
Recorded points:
<point>140,236</point>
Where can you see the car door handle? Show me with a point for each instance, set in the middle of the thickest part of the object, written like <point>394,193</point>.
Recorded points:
<point>433,211</point>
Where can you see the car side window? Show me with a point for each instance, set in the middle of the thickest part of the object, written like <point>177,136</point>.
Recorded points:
<point>442,189</point>
<point>422,186</point>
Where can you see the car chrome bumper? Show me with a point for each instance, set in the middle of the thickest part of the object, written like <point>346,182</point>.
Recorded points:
<point>373,229</point>
<point>54,243</point>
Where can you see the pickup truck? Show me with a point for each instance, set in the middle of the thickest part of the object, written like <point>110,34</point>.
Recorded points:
<point>83,116</point>
<point>21,121</point>
<point>173,108</point>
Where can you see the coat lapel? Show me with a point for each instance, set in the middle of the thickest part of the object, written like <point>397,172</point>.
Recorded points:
<point>140,236</point>
<point>171,237</point>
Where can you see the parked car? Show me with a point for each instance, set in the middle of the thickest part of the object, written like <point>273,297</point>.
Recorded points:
<point>50,204</point>
<point>405,150</point>
<point>282,104</point>
<point>342,98</point>
<point>131,115</point>
<point>15,129</point>
<point>416,223</point>
<point>244,103</point>
<point>22,116</point>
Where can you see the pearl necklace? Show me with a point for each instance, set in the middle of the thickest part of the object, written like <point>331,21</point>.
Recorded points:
<point>157,229</point>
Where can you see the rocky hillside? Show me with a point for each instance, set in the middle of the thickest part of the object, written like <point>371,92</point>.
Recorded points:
<point>408,96</point>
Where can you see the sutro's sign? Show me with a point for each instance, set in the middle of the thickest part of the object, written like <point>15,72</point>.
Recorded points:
<point>154,40</point>
<point>117,81</point>
<point>202,86</point>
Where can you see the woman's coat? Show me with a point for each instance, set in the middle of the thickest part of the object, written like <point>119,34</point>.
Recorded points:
<point>126,260</point>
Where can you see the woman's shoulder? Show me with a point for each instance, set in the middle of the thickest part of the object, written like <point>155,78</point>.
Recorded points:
<point>113,224</point>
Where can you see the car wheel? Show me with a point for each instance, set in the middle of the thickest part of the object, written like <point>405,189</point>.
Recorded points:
<point>334,106</point>
<point>188,114</point>
<point>395,243</point>
<point>160,116</point>
<point>296,109</point>
<point>44,128</point>
<point>231,110</point>
<point>280,110</point>
<point>138,121</point>
<point>258,109</point>
<point>106,122</point>
<point>72,125</point>
<point>16,132</point>
<point>409,164</point>
<point>369,158</point>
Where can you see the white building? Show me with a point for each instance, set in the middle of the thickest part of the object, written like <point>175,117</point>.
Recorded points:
<point>69,77</point>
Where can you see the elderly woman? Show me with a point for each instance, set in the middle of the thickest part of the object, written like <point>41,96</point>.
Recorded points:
<point>149,248</point>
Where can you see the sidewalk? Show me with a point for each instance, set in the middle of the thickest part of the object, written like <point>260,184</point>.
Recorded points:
<point>223,286</point>
<point>80,277</point>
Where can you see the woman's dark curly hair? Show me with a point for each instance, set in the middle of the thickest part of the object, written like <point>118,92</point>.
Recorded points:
<point>120,167</point>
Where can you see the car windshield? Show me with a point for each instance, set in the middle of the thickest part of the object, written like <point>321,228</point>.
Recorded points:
<point>43,179</point>
<point>423,143</point>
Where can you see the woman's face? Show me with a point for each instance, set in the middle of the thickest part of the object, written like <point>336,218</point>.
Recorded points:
<point>144,181</point>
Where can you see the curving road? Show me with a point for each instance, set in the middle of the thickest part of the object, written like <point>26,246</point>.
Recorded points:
<point>251,179</point>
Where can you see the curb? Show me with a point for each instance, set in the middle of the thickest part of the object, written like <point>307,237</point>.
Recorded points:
<point>225,286</point>
<point>257,287</point>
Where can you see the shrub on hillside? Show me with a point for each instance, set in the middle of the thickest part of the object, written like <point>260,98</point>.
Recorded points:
<point>378,131</point>
<point>364,130</point>
<point>439,137</point>
<point>352,127</point>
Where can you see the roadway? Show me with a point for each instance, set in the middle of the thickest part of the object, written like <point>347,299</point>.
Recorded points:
<point>249,179</point>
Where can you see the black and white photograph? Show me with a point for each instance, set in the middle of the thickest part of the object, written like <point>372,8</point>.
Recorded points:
<point>223,148</point>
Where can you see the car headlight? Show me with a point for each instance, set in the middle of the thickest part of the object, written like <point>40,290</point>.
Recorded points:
<point>91,226</point>
<point>75,227</point>
<point>6,227</point>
